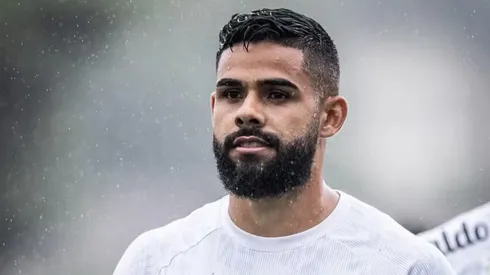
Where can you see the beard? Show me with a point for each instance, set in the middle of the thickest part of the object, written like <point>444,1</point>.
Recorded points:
<point>254,178</point>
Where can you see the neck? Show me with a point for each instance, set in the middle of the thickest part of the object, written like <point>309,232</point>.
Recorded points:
<point>287,215</point>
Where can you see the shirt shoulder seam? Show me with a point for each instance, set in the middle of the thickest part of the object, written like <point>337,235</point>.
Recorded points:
<point>187,249</point>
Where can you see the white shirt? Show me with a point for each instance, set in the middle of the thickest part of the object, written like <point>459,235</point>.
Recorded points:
<point>465,240</point>
<point>355,239</point>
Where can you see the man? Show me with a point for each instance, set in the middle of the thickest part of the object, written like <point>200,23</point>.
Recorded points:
<point>276,103</point>
<point>465,240</point>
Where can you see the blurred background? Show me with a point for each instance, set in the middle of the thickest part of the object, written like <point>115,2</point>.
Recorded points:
<point>105,125</point>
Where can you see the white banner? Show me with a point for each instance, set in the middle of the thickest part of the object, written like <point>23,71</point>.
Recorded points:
<point>465,240</point>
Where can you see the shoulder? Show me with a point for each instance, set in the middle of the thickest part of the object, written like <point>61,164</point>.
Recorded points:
<point>370,223</point>
<point>155,248</point>
<point>430,261</point>
<point>380,237</point>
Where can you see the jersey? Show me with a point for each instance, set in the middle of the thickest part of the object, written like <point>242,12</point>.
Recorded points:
<point>356,238</point>
<point>465,240</point>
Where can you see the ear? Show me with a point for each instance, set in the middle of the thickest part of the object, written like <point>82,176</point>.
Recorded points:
<point>213,101</point>
<point>334,113</point>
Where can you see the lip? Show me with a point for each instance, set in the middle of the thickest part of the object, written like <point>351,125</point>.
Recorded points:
<point>261,148</point>
<point>251,150</point>
<point>249,139</point>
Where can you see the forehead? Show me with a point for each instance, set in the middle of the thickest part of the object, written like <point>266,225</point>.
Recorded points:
<point>261,61</point>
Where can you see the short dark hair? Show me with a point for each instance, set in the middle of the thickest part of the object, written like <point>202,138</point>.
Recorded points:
<point>291,29</point>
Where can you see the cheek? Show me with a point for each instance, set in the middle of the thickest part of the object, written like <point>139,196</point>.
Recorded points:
<point>223,124</point>
<point>291,127</point>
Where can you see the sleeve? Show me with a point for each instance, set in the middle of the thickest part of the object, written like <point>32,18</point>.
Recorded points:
<point>136,259</point>
<point>432,263</point>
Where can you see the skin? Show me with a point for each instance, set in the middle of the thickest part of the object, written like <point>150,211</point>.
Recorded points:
<point>284,106</point>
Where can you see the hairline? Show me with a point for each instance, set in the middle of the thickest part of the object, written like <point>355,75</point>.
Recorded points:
<point>319,87</point>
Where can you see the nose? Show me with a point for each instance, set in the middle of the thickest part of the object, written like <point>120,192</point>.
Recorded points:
<point>250,113</point>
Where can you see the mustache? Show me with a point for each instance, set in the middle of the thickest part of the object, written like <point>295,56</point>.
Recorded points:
<point>272,139</point>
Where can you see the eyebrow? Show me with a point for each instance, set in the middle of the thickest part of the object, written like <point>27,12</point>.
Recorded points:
<point>230,82</point>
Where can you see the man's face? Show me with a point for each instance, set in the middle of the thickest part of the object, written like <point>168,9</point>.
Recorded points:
<point>265,118</point>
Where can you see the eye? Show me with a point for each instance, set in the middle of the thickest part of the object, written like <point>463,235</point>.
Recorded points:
<point>277,95</point>
<point>232,94</point>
